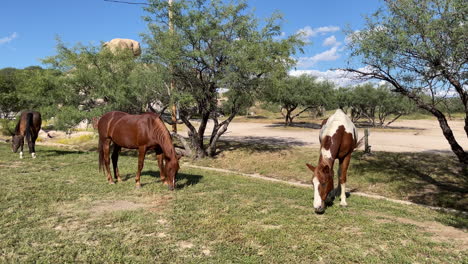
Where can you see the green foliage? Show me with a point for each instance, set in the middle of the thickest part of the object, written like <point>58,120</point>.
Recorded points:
<point>303,91</point>
<point>421,49</point>
<point>96,80</point>
<point>9,102</point>
<point>29,88</point>
<point>7,126</point>
<point>376,103</point>
<point>215,44</point>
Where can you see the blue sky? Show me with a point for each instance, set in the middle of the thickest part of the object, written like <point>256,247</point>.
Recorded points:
<point>28,28</point>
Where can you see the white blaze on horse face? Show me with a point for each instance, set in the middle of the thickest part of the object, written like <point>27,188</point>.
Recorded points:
<point>317,199</point>
<point>21,154</point>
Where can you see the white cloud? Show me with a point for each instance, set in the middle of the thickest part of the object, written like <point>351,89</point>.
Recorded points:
<point>9,38</point>
<point>331,41</point>
<point>339,77</point>
<point>307,32</point>
<point>328,55</point>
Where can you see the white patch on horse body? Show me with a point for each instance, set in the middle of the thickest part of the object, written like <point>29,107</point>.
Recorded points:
<point>33,155</point>
<point>21,154</point>
<point>339,118</point>
<point>343,195</point>
<point>317,199</point>
<point>326,153</point>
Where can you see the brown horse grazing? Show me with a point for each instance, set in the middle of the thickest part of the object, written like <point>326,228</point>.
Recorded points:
<point>143,132</point>
<point>338,139</point>
<point>28,127</point>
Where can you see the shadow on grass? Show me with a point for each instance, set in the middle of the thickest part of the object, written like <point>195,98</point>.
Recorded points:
<point>437,180</point>
<point>257,144</point>
<point>366,124</point>
<point>58,152</point>
<point>182,179</point>
<point>298,124</point>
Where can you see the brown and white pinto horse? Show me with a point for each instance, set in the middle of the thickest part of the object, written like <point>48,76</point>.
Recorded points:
<point>338,139</point>
<point>28,127</point>
<point>143,132</point>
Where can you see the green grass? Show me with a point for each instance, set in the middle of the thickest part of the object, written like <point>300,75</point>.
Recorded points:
<point>58,208</point>
<point>425,178</point>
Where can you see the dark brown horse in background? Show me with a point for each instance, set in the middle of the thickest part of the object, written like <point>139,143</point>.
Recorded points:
<point>28,127</point>
<point>143,132</point>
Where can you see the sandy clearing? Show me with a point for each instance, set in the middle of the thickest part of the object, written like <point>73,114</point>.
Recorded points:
<point>407,136</point>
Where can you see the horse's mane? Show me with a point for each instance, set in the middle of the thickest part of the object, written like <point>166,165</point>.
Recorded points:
<point>161,129</point>
<point>17,128</point>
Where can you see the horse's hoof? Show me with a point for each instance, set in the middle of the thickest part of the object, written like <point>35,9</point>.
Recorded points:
<point>33,155</point>
<point>343,204</point>
<point>111,182</point>
<point>138,186</point>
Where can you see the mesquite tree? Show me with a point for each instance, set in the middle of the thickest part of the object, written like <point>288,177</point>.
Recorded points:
<point>214,44</point>
<point>421,49</point>
<point>297,94</point>
<point>94,80</point>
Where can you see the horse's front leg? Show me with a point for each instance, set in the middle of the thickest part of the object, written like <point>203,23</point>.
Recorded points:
<point>342,172</point>
<point>21,148</point>
<point>162,170</point>
<point>141,161</point>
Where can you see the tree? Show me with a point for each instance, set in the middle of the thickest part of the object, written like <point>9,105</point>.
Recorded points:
<point>377,103</point>
<point>215,44</point>
<point>303,92</point>
<point>9,102</point>
<point>420,49</point>
<point>96,80</point>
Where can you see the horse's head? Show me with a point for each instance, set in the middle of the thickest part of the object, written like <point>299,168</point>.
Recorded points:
<point>16,142</point>
<point>323,184</point>
<point>172,167</point>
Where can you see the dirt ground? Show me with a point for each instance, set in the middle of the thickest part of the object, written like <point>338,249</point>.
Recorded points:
<point>401,136</point>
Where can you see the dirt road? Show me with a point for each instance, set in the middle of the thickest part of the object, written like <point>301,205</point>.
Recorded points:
<point>401,136</point>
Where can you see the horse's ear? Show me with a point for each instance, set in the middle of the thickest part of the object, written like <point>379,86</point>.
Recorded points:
<point>312,168</point>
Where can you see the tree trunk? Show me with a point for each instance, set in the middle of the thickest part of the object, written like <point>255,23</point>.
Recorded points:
<point>448,134</point>
<point>394,119</point>
<point>288,119</point>
<point>218,131</point>
<point>196,142</point>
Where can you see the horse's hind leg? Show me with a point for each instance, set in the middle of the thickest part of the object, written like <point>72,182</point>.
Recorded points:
<point>115,159</point>
<point>32,146</point>
<point>106,150</point>
<point>141,161</point>
<point>160,158</point>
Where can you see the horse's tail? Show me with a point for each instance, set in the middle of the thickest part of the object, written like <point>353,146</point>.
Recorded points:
<point>101,154</point>
<point>29,123</point>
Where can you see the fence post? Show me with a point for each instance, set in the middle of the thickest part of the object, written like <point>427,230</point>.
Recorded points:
<point>367,148</point>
